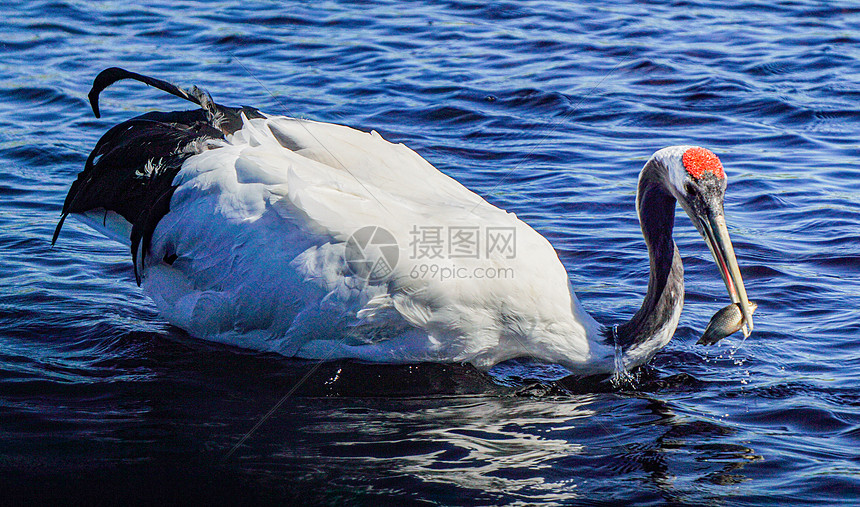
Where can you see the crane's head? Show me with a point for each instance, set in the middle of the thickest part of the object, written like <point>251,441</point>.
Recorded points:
<point>695,177</point>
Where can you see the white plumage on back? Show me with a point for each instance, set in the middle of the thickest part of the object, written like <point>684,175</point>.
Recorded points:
<point>260,232</point>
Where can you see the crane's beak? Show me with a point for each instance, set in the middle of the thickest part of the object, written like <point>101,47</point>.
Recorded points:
<point>717,237</point>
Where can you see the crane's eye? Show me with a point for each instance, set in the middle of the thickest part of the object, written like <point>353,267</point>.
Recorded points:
<point>691,189</point>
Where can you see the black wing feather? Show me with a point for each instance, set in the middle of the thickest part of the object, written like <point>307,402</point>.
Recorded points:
<point>131,169</point>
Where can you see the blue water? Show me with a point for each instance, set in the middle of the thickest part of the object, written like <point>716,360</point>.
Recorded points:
<point>548,109</point>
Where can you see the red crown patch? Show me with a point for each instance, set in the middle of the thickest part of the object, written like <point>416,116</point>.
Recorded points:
<point>698,161</point>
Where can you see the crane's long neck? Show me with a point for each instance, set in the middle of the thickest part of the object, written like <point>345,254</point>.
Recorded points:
<point>658,316</point>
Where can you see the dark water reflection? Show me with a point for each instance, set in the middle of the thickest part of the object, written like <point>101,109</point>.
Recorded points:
<point>494,445</point>
<point>174,410</point>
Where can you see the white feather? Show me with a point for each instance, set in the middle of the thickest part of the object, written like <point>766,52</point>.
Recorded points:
<point>109,223</point>
<point>260,233</point>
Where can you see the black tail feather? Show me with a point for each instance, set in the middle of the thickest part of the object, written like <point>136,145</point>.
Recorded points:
<point>131,169</point>
<point>57,229</point>
<point>144,226</point>
<point>110,76</point>
<point>227,119</point>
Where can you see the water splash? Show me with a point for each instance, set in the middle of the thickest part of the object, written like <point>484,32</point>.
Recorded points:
<point>620,376</point>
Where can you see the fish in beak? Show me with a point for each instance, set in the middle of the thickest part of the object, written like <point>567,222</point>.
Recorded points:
<point>717,237</point>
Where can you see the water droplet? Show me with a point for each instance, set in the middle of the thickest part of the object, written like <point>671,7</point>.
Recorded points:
<point>621,377</point>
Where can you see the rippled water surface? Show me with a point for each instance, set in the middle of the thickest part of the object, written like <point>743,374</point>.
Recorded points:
<point>548,109</point>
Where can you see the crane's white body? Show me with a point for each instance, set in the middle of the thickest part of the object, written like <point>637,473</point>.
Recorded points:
<point>260,232</point>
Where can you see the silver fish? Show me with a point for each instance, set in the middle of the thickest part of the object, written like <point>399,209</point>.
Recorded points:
<point>725,322</point>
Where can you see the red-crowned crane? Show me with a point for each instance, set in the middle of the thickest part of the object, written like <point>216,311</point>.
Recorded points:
<point>300,237</point>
